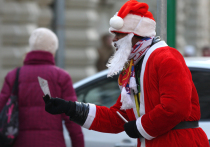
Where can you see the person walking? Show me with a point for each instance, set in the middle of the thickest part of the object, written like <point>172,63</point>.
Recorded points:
<point>158,97</point>
<point>105,51</point>
<point>37,128</point>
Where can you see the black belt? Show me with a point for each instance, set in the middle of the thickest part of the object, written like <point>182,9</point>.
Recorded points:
<point>186,125</point>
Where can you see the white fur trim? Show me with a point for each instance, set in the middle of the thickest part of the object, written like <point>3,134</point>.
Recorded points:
<point>43,39</point>
<point>91,116</point>
<point>142,131</point>
<point>142,104</point>
<point>146,27</point>
<point>148,53</point>
<point>116,22</point>
<point>126,100</point>
<point>133,84</point>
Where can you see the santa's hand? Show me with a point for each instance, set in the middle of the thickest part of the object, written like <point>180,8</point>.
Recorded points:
<point>77,111</point>
<point>131,129</point>
<point>57,105</point>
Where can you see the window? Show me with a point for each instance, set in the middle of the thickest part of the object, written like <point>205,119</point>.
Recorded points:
<point>103,92</point>
<point>201,78</point>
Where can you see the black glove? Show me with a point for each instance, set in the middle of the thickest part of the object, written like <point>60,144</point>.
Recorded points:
<point>77,111</point>
<point>131,129</point>
<point>58,106</point>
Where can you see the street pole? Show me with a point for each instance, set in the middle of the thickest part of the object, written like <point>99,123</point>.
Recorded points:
<point>60,31</point>
<point>162,19</point>
<point>171,23</point>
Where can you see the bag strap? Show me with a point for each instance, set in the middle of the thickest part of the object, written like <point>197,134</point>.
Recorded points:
<point>15,86</point>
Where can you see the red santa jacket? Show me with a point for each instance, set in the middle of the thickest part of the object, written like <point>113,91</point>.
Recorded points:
<point>168,97</point>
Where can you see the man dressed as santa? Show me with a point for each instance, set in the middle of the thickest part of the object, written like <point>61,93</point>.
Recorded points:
<point>158,97</point>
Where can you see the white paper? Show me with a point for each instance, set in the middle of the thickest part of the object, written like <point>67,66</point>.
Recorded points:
<point>44,86</point>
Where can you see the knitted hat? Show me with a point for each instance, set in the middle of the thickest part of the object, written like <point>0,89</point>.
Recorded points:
<point>134,17</point>
<point>43,39</point>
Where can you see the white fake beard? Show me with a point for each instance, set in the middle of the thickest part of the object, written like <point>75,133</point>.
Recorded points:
<point>118,60</point>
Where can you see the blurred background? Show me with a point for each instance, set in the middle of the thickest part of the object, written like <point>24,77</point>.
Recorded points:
<point>80,24</point>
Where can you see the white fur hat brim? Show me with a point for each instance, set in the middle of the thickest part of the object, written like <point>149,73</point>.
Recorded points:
<point>141,26</point>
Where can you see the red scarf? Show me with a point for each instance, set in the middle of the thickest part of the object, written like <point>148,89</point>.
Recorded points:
<point>127,80</point>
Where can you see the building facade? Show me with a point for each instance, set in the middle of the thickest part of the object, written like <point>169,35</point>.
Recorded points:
<point>85,22</point>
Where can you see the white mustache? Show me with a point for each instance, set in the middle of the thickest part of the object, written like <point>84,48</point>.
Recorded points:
<point>117,62</point>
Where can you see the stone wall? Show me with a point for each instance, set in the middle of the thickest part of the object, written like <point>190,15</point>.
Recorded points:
<point>18,19</point>
<point>86,21</point>
<point>81,38</point>
<point>193,24</point>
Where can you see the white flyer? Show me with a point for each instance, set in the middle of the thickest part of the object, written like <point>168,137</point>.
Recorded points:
<point>44,86</point>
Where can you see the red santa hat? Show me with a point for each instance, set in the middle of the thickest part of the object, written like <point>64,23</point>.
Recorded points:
<point>134,17</point>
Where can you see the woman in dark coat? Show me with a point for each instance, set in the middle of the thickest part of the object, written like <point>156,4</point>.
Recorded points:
<point>37,128</point>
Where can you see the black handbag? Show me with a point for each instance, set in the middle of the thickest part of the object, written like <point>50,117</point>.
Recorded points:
<point>9,124</point>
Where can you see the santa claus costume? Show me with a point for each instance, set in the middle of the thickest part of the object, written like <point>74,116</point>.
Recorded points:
<point>168,107</point>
